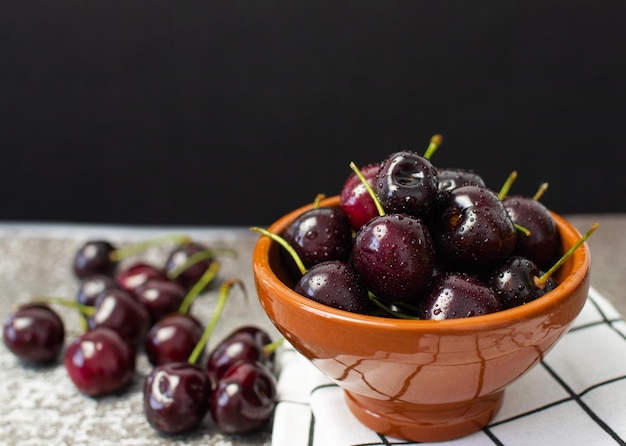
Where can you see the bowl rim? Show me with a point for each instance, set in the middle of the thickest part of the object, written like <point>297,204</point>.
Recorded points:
<point>580,271</point>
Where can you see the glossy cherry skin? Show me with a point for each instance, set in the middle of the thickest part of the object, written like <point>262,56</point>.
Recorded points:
<point>407,183</point>
<point>394,256</point>
<point>543,244</point>
<point>100,362</point>
<point>179,256</point>
<point>92,286</point>
<point>172,338</point>
<point>320,234</point>
<point>474,231</point>
<point>34,333</point>
<point>119,310</point>
<point>336,284</point>
<point>160,297</point>
<point>354,199</point>
<point>137,274</point>
<point>94,257</point>
<point>458,295</point>
<point>176,397</point>
<point>452,177</point>
<point>514,284</point>
<point>244,398</point>
<point>238,346</point>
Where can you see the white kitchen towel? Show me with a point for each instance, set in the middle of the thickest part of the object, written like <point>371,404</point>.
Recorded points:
<point>575,396</point>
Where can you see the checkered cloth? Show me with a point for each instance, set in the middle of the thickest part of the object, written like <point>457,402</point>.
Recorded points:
<point>575,396</point>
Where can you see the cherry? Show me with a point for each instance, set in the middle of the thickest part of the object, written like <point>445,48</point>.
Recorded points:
<point>452,177</point>
<point>172,338</point>
<point>137,274</point>
<point>121,311</point>
<point>474,231</point>
<point>513,282</point>
<point>354,199</point>
<point>34,333</point>
<point>160,297</point>
<point>176,397</point>
<point>244,398</point>
<point>320,234</point>
<point>92,286</point>
<point>187,262</point>
<point>542,243</point>
<point>336,284</point>
<point>244,344</point>
<point>407,183</point>
<point>457,295</point>
<point>94,257</point>
<point>100,362</point>
<point>394,256</point>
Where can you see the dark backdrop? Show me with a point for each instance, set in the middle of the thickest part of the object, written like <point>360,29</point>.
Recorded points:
<point>221,113</point>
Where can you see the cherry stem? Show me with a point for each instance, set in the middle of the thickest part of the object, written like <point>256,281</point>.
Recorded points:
<point>388,310</point>
<point>522,229</point>
<point>122,253</point>
<point>369,189</point>
<point>318,198</point>
<point>198,257</point>
<point>272,346</point>
<point>435,141</point>
<point>221,303</point>
<point>84,310</point>
<point>199,286</point>
<point>542,188</point>
<point>507,185</point>
<point>540,281</point>
<point>282,242</point>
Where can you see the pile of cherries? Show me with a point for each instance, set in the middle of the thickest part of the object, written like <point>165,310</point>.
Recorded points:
<point>416,241</point>
<point>146,308</point>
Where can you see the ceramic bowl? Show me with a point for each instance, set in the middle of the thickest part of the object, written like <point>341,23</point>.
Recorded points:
<point>414,379</point>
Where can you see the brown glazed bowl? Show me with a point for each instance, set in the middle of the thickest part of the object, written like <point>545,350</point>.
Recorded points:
<point>421,380</point>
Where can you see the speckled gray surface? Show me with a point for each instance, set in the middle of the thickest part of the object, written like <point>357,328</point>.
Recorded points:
<point>41,405</point>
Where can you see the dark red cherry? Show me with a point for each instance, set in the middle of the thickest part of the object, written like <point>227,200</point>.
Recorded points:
<point>236,347</point>
<point>319,235</point>
<point>452,177</point>
<point>179,257</point>
<point>121,311</point>
<point>542,245</point>
<point>137,274</point>
<point>336,284</point>
<point>92,286</point>
<point>355,200</point>
<point>394,256</point>
<point>514,282</point>
<point>176,397</point>
<point>100,362</point>
<point>160,297</point>
<point>244,398</point>
<point>94,257</point>
<point>172,338</point>
<point>407,183</point>
<point>474,231</point>
<point>457,295</point>
<point>34,333</point>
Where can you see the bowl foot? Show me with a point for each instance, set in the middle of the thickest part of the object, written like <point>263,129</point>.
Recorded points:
<point>425,422</point>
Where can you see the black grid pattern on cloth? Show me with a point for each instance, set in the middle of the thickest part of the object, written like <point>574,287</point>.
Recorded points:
<point>585,375</point>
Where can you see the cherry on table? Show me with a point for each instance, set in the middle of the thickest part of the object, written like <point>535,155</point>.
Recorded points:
<point>138,273</point>
<point>187,262</point>
<point>160,297</point>
<point>92,286</point>
<point>100,362</point>
<point>35,333</point>
<point>172,338</point>
<point>94,257</point>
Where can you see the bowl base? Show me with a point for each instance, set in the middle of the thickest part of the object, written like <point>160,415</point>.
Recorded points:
<point>425,422</point>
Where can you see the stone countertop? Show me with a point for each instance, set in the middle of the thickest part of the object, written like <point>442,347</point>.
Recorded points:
<point>41,404</point>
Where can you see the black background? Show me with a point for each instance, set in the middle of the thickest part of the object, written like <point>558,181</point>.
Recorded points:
<point>232,113</point>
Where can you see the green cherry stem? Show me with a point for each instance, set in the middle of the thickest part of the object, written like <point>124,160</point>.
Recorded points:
<point>397,314</point>
<point>507,185</point>
<point>435,142</point>
<point>136,248</point>
<point>540,281</point>
<point>282,242</point>
<point>84,310</point>
<point>199,286</point>
<point>221,303</point>
<point>271,347</point>
<point>198,257</point>
<point>318,199</point>
<point>542,188</point>
<point>369,189</point>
